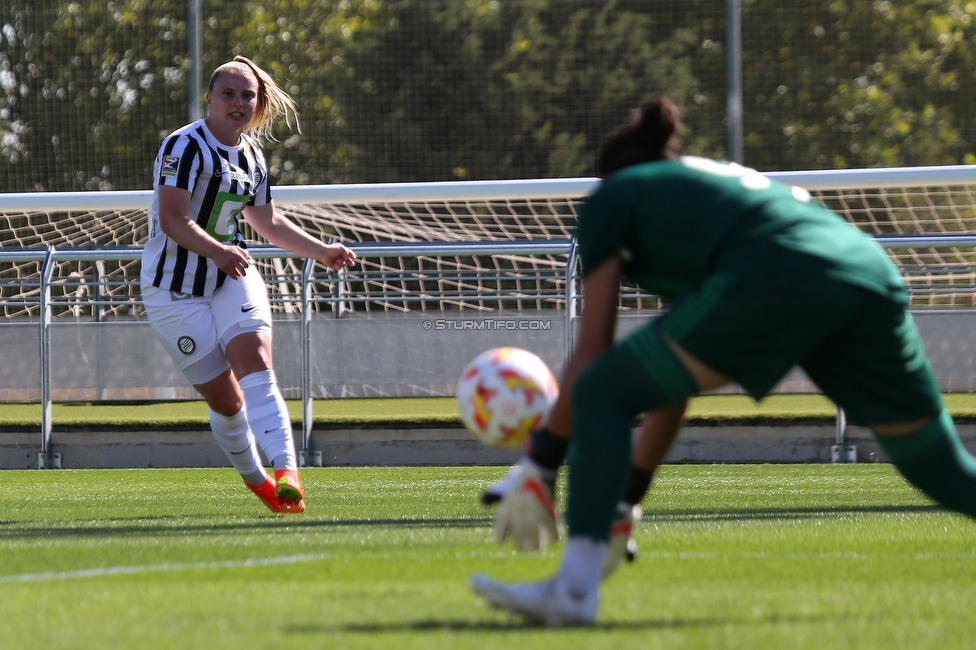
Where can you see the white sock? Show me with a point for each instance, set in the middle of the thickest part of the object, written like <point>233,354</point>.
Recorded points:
<point>268,416</point>
<point>234,438</point>
<point>582,564</point>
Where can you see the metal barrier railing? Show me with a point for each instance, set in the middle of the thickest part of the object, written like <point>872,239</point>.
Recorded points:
<point>48,257</point>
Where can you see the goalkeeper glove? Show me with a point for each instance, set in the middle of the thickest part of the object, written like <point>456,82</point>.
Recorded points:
<point>527,511</point>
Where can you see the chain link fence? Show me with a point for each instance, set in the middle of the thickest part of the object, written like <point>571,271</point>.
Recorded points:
<point>422,90</point>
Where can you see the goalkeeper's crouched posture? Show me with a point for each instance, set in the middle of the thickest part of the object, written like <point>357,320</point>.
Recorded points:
<point>759,278</point>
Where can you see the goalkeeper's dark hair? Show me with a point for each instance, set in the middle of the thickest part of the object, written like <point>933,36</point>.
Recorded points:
<point>652,134</point>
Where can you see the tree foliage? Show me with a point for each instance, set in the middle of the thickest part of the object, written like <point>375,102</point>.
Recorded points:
<point>408,90</point>
<point>860,83</point>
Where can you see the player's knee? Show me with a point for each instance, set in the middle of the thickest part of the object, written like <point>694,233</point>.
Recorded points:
<point>249,352</point>
<point>619,380</point>
<point>906,443</point>
<point>935,461</point>
<point>221,394</point>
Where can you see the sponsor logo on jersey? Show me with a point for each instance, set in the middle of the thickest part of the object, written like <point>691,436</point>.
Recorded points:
<point>170,165</point>
<point>234,173</point>
<point>186,345</point>
<point>258,176</point>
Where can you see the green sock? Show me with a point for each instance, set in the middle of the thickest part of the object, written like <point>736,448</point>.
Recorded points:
<point>934,460</point>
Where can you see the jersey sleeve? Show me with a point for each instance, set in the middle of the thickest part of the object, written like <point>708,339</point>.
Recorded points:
<point>178,163</point>
<point>261,190</point>
<point>602,227</point>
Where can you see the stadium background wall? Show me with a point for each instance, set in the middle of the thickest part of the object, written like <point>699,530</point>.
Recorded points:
<point>356,356</point>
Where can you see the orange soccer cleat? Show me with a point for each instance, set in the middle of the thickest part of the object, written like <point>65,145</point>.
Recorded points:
<point>266,492</point>
<point>288,491</point>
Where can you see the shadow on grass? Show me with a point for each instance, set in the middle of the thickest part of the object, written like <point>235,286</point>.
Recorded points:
<point>157,528</point>
<point>517,624</point>
<point>751,514</point>
<point>166,526</point>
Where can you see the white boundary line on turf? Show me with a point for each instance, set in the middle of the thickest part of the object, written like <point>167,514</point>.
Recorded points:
<point>124,570</point>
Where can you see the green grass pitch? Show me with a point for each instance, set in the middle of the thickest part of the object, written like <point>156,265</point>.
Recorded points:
<point>732,556</point>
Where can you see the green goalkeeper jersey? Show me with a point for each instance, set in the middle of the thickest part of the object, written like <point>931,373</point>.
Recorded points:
<point>675,222</point>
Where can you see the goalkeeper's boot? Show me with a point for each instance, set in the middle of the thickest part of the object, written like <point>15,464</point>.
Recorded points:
<point>288,490</point>
<point>622,545</point>
<point>266,492</point>
<point>527,512</point>
<point>550,602</point>
<point>498,490</point>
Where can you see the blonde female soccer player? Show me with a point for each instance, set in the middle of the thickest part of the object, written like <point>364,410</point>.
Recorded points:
<point>205,300</point>
<point>760,278</point>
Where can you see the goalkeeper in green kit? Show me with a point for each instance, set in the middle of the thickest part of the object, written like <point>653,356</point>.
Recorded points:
<point>760,278</point>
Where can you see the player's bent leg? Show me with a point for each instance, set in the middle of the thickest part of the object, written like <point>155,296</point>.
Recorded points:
<point>250,356</point>
<point>639,375</point>
<point>657,433</point>
<point>270,423</point>
<point>934,460</point>
<point>234,437</point>
<point>221,393</point>
<point>268,416</point>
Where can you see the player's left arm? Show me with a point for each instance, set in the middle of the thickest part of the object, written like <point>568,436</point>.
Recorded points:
<point>282,232</point>
<point>601,291</point>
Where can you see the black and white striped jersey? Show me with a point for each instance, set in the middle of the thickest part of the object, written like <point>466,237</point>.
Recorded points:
<point>222,181</point>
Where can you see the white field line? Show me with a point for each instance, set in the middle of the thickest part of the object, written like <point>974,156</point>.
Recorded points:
<point>293,559</point>
<point>150,568</point>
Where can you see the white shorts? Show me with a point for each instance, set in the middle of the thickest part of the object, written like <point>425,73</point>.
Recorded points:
<point>195,330</point>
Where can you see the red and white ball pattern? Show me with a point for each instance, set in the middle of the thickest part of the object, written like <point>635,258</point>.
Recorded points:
<point>505,393</point>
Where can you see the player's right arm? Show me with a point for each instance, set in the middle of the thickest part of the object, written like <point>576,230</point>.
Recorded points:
<point>601,290</point>
<point>175,222</point>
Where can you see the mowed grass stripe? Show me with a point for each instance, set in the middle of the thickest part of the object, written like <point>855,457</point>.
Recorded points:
<point>798,556</point>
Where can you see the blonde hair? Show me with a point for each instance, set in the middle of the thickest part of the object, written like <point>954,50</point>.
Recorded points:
<point>273,102</point>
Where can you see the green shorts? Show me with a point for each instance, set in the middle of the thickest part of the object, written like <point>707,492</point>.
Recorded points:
<point>860,348</point>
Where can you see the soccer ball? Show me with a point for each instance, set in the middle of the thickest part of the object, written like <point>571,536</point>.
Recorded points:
<point>504,394</point>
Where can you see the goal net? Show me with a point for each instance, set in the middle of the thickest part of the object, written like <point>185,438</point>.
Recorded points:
<point>890,203</point>
<point>427,259</point>
<point>375,214</point>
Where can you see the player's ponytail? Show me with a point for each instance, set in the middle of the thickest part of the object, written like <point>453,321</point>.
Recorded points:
<point>652,134</point>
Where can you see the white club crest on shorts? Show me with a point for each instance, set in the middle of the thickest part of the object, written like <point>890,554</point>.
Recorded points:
<point>186,345</point>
